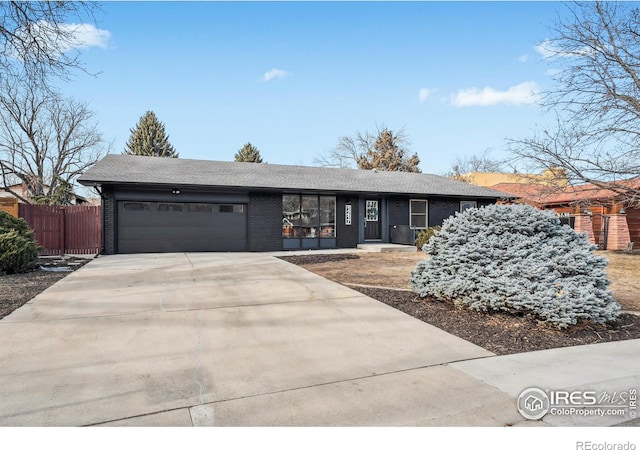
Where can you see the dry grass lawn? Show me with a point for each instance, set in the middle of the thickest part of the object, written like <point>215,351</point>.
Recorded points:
<point>393,270</point>
<point>624,273</point>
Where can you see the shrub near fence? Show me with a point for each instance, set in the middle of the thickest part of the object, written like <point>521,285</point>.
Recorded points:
<point>65,229</point>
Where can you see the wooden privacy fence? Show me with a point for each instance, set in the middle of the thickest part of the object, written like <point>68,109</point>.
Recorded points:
<point>63,230</point>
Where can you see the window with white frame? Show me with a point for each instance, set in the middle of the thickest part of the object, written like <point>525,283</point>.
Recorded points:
<point>418,214</point>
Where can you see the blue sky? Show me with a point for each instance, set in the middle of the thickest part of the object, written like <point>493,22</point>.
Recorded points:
<point>292,77</point>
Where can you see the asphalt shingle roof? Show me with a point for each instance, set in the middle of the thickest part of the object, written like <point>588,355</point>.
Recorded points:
<point>126,169</point>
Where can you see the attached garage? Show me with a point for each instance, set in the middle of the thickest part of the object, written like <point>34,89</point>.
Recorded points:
<point>151,227</point>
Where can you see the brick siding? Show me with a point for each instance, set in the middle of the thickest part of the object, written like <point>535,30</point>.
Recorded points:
<point>584,224</point>
<point>109,221</point>
<point>441,209</point>
<point>398,211</point>
<point>618,234</point>
<point>265,222</point>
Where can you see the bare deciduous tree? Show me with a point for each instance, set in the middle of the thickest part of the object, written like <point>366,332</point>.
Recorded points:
<point>345,154</point>
<point>383,150</point>
<point>596,99</point>
<point>474,163</point>
<point>45,141</point>
<point>38,40</point>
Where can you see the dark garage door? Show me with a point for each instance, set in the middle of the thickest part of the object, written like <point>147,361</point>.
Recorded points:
<point>150,227</point>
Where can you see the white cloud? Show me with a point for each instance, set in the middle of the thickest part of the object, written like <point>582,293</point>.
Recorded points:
<point>546,49</point>
<point>424,94</point>
<point>522,94</point>
<point>85,35</point>
<point>524,58</point>
<point>274,74</point>
<point>67,36</point>
<point>553,72</point>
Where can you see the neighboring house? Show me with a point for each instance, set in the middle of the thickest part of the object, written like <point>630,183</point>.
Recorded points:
<point>549,177</point>
<point>600,213</point>
<point>173,205</point>
<point>20,189</point>
<point>23,191</point>
<point>9,205</point>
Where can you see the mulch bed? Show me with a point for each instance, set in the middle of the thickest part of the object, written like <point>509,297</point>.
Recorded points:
<point>499,333</point>
<point>502,333</point>
<point>318,259</point>
<point>18,288</point>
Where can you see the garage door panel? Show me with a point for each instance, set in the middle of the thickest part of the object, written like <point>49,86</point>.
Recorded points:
<point>177,227</point>
<point>185,245</point>
<point>165,232</point>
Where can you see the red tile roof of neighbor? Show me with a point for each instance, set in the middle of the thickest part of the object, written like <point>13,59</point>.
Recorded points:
<point>548,195</point>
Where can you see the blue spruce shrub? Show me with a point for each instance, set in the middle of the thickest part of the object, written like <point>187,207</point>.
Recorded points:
<point>516,259</point>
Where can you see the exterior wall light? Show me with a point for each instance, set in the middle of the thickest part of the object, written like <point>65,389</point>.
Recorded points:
<point>175,191</point>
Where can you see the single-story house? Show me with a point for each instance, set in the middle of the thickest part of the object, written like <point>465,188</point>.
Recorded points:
<point>172,205</point>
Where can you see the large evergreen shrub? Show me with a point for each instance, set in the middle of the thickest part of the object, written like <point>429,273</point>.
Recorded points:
<point>18,246</point>
<point>516,259</point>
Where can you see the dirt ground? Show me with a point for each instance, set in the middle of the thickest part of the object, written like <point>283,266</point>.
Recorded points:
<point>500,333</point>
<point>18,288</point>
<point>394,268</point>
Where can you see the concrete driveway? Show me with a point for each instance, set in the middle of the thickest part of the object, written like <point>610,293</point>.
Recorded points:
<point>247,339</point>
<point>229,339</point>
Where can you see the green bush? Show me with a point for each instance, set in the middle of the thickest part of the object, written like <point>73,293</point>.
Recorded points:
<point>425,235</point>
<point>18,246</point>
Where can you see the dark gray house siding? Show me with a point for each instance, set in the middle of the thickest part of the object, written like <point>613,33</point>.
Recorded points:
<point>347,235</point>
<point>265,222</point>
<point>398,211</point>
<point>108,220</point>
<point>441,209</point>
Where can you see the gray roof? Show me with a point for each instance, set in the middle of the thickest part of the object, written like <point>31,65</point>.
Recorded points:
<point>126,169</point>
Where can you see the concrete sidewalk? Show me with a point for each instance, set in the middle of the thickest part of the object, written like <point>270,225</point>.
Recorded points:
<point>246,339</point>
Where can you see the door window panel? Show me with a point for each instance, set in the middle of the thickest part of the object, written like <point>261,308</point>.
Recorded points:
<point>371,212</point>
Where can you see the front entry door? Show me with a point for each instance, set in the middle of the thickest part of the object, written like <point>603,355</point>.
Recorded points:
<point>372,220</point>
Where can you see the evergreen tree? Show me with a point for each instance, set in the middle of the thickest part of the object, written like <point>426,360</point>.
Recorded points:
<point>248,153</point>
<point>389,154</point>
<point>148,138</point>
